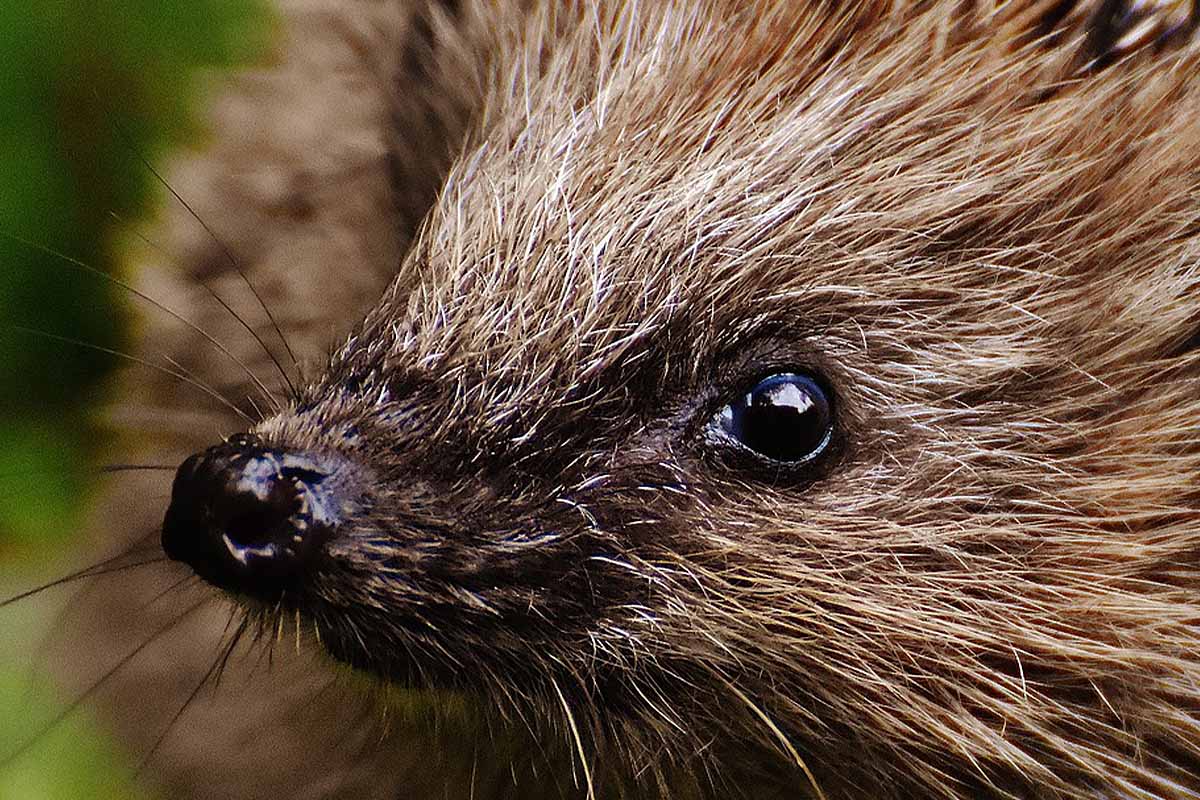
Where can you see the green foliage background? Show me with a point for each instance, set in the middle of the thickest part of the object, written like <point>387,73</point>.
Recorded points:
<point>87,92</point>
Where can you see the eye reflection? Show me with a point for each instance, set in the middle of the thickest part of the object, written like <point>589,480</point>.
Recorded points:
<point>785,417</point>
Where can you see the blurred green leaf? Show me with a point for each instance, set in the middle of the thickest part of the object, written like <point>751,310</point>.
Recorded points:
<point>65,760</point>
<point>87,93</point>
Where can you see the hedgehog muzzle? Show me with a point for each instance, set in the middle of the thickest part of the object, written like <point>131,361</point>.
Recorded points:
<point>250,518</point>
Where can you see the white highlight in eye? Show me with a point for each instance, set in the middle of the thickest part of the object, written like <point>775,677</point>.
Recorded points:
<point>788,394</point>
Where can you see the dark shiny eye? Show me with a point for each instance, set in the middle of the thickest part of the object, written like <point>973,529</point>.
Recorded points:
<point>786,418</point>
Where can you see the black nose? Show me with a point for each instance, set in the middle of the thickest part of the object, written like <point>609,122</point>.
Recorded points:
<point>249,518</point>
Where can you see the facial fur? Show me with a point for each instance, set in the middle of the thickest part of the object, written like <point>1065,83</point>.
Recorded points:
<point>978,226</point>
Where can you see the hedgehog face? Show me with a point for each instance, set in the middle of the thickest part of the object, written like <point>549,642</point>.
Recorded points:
<point>837,419</point>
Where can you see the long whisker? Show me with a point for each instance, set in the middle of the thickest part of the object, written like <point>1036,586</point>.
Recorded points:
<point>91,573</point>
<point>91,690</point>
<point>106,567</point>
<point>225,401</point>
<point>17,476</point>
<point>47,642</point>
<point>162,737</point>
<point>88,268</point>
<point>112,468</point>
<point>237,637</point>
<point>142,545</point>
<point>171,589</point>
<point>225,305</point>
<point>233,262</point>
<point>106,469</point>
<point>185,371</point>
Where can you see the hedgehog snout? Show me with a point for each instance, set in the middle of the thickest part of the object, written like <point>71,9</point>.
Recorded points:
<point>251,518</point>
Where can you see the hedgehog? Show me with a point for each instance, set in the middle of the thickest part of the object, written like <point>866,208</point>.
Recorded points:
<point>779,399</point>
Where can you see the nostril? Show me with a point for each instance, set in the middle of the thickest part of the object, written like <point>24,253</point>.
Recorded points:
<point>260,501</point>
<point>252,529</point>
<point>249,518</point>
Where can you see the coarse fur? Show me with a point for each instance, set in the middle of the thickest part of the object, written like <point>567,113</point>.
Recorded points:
<point>980,224</point>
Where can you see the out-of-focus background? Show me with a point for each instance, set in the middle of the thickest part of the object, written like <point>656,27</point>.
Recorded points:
<point>88,92</point>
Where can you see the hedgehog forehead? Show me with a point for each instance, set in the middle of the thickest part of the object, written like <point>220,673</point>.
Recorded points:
<point>583,259</point>
<point>581,232</point>
<point>568,248</point>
